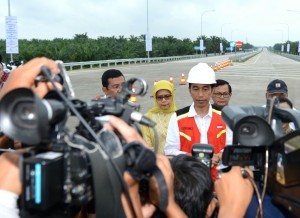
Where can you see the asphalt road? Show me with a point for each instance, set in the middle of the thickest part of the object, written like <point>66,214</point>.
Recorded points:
<point>249,79</point>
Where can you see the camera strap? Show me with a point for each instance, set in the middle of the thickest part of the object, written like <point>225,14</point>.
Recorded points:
<point>141,163</point>
<point>107,186</point>
<point>163,189</point>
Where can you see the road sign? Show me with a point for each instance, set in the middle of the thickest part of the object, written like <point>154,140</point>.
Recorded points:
<point>239,44</point>
<point>201,45</point>
<point>198,47</point>
<point>12,45</point>
<point>288,48</point>
<point>148,42</point>
<point>232,44</point>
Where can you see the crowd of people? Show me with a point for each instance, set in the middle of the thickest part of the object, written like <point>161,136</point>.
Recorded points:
<point>194,189</point>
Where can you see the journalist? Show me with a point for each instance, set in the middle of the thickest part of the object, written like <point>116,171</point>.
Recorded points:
<point>228,186</point>
<point>10,182</point>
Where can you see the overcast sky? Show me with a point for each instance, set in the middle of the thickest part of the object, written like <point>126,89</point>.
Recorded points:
<point>255,21</point>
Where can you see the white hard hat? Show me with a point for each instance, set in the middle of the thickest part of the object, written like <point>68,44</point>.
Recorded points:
<point>202,74</point>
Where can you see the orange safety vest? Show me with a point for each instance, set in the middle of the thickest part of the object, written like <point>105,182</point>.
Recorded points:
<point>190,134</point>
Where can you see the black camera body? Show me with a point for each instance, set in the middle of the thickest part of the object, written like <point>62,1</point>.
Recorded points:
<point>204,152</point>
<point>51,178</point>
<point>263,144</point>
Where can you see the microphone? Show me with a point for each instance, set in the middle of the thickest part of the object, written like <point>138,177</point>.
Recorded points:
<point>140,118</point>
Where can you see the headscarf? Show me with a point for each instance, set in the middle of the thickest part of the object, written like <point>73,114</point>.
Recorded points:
<point>163,84</point>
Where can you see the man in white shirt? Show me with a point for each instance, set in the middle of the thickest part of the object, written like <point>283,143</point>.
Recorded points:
<point>198,123</point>
<point>112,81</point>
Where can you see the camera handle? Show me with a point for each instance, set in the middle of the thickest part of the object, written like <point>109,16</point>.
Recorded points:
<point>106,208</point>
<point>141,163</point>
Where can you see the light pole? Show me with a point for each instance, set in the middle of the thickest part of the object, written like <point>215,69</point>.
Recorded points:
<point>298,12</point>
<point>288,30</point>
<point>148,52</point>
<point>288,41</point>
<point>201,46</point>
<point>281,39</point>
<point>231,39</point>
<point>221,44</point>
<point>232,32</point>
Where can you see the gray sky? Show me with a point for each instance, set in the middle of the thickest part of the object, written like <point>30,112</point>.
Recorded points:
<point>255,21</point>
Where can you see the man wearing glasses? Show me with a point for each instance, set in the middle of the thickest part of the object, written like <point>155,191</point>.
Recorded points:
<point>221,94</point>
<point>112,81</point>
<point>198,123</point>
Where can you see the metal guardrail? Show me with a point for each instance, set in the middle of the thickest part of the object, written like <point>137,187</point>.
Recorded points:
<point>291,56</point>
<point>243,57</point>
<point>107,63</point>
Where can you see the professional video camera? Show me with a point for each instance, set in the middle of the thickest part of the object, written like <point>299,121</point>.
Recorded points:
<point>66,170</point>
<point>204,152</point>
<point>259,141</point>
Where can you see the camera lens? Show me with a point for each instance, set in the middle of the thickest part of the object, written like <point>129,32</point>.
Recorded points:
<point>247,129</point>
<point>25,115</point>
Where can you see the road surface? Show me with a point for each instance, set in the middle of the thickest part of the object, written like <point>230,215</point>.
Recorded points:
<point>249,80</point>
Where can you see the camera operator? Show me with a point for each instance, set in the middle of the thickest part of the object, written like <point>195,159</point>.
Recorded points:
<point>24,77</point>
<point>229,187</point>
<point>193,186</point>
<point>234,192</point>
<point>10,184</point>
<point>10,181</point>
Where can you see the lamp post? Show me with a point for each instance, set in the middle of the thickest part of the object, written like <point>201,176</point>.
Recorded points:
<point>231,40</point>
<point>298,12</point>
<point>288,41</point>
<point>232,32</point>
<point>221,44</point>
<point>148,36</point>
<point>282,48</point>
<point>201,41</point>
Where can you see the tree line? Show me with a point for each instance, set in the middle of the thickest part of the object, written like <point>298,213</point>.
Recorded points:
<point>83,48</point>
<point>293,47</point>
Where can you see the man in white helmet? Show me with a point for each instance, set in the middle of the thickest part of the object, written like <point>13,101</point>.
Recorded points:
<point>198,123</point>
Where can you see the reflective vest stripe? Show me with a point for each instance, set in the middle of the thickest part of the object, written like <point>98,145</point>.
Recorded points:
<point>189,138</point>
<point>220,133</point>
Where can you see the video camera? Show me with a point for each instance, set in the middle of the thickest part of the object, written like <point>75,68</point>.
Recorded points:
<point>259,141</point>
<point>204,152</point>
<point>64,170</point>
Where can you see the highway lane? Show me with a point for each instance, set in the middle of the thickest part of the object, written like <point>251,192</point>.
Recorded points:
<point>249,79</point>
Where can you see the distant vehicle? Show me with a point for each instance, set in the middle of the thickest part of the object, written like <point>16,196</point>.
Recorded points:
<point>12,65</point>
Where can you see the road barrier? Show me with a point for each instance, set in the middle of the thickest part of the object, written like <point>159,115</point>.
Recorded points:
<point>291,56</point>
<point>107,63</point>
<point>245,56</point>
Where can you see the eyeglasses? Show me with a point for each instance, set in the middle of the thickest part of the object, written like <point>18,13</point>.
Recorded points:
<point>115,87</point>
<point>219,94</point>
<point>162,97</point>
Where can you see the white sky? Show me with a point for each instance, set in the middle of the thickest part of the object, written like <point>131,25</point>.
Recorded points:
<point>257,21</point>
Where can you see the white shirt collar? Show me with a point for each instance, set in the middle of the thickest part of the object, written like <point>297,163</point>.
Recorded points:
<point>192,111</point>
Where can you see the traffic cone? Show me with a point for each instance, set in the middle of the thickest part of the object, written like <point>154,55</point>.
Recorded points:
<point>171,80</point>
<point>155,81</point>
<point>133,96</point>
<point>182,80</point>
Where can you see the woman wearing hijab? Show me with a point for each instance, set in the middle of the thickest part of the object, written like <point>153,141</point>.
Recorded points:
<point>164,107</point>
